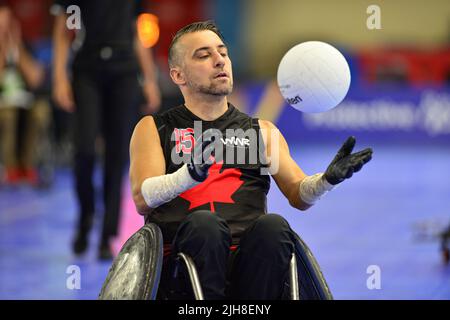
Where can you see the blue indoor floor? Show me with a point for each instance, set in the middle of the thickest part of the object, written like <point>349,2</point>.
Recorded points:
<point>369,220</point>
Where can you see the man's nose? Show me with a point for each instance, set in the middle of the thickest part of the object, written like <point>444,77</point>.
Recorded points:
<point>219,60</point>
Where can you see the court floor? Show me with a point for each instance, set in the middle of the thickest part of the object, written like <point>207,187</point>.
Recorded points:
<point>374,219</point>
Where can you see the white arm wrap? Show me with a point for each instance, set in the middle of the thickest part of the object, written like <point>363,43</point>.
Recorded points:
<point>312,188</point>
<point>162,189</point>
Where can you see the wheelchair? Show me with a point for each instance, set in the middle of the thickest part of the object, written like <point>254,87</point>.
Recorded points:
<point>136,271</point>
<point>445,245</point>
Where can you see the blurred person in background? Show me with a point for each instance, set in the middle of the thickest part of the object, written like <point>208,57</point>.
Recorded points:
<point>20,76</point>
<point>103,93</point>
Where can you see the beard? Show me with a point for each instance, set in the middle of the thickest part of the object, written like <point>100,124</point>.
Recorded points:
<point>214,89</point>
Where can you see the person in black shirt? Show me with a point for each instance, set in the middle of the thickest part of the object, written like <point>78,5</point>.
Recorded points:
<point>103,94</point>
<point>209,203</point>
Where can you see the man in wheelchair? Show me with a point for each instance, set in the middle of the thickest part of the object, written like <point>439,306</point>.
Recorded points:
<point>200,173</point>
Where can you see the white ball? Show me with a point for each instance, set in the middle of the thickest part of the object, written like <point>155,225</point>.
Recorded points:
<point>313,77</point>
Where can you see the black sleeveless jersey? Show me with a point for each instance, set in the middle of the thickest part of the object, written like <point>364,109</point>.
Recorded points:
<point>235,189</point>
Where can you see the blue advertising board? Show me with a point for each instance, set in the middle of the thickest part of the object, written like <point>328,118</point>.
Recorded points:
<point>384,114</point>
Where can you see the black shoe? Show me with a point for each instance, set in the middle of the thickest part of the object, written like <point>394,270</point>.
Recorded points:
<point>105,252</point>
<point>80,243</point>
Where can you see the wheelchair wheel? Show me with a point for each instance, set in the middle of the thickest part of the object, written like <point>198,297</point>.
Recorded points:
<point>312,284</point>
<point>445,248</point>
<point>446,255</point>
<point>136,271</point>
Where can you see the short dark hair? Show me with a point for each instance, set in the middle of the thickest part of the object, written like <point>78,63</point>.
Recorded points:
<point>190,28</point>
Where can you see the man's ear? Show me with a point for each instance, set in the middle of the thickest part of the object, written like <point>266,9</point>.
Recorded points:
<point>177,76</point>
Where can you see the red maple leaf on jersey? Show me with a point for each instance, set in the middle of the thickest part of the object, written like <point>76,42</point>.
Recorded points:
<point>218,187</point>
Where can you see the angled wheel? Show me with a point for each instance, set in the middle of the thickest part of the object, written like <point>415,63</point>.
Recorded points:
<point>446,255</point>
<point>135,273</point>
<point>311,282</point>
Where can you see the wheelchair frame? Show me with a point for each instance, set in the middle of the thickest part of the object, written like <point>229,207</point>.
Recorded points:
<point>303,266</point>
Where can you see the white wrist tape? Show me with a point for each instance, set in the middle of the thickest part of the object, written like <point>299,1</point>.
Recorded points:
<point>162,189</point>
<point>312,188</point>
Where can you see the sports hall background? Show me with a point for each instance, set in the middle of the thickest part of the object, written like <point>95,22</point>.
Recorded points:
<point>390,216</point>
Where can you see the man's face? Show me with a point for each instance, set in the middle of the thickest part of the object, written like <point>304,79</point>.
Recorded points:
<point>205,63</point>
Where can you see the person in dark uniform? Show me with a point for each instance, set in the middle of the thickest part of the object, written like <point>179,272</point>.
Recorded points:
<point>208,203</point>
<point>104,95</point>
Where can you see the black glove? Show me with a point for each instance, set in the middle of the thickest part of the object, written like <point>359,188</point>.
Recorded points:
<point>345,163</point>
<point>199,169</point>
